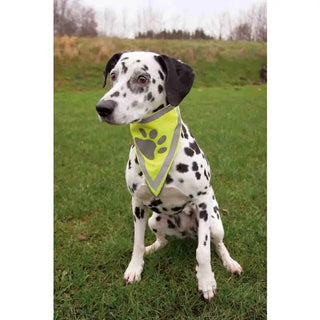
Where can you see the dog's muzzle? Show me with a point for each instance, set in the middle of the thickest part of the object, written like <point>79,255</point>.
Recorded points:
<point>105,108</point>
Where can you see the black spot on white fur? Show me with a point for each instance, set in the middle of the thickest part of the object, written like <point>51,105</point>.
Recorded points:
<point>203,215</point>
<point>161,75</point>
<point>170,225</point>
<point>155,209</point>
<point>189,152</point>
<point>124,68</point>
<point>195,166</point>
<point>185,133</point>
<point>177,208</point>
<point>181,167</point>
<point>115,94</point>
<point>202,205</point>
<point>193,145</point>
<point>155,202</point>
<point>168,179</point>
<point>139,213</point>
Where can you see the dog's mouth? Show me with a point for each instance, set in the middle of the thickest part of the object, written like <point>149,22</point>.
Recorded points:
<point>110,120</point>
<point>107,120</point>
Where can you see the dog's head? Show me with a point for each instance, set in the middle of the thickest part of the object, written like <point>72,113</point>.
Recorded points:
<point>142,82</point>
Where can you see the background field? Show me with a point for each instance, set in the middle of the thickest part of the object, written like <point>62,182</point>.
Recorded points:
<point>93,220</point>
<point>79,62</point>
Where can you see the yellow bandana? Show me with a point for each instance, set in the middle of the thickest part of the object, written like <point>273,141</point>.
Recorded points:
<point>157,139</point>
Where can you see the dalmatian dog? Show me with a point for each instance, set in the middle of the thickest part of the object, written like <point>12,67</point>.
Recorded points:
<point>143,83</point>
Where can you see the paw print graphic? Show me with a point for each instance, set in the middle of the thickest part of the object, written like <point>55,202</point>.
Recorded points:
<point>148,147</point>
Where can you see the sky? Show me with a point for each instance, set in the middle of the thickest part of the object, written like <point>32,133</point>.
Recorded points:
<point>179,14</point>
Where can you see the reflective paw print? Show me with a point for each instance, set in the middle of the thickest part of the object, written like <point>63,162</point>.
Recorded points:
<point>149,146</point>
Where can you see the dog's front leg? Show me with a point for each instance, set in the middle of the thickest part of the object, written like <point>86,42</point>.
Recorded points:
<point>133,272</point>
<point>206,281</point>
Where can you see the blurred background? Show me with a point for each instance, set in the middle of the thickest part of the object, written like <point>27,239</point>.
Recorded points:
<point>225,41</point>
<point>228,20</point>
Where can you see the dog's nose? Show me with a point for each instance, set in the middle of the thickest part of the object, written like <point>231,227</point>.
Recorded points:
<point>106,107</point>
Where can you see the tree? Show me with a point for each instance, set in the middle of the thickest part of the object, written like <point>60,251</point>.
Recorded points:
<point>124,23</point>
<point>261,23</point>
<point>109,22</point>
<point>242,32</point>
<point>174,34</point>
<point>251,25</point>
<point>222,24</point>
<point>148,19</point>
<point>87,23</point>
<point>73,19</point>
<point>64,18</point>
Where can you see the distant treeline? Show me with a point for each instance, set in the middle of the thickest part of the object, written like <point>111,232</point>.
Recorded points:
<point>175,34</point>
<point>74,19</point>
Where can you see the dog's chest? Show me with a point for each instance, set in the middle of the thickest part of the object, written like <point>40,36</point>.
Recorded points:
<point>170,201</point>
<point>188,178</point>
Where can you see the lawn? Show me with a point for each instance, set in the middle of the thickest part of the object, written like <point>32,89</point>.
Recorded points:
<point>94,225</point>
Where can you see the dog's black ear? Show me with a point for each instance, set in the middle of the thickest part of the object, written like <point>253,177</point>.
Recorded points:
<point>110,65</point>
<point>179,78</point>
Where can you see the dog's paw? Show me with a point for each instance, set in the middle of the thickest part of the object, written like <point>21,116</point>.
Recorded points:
<point>207,284</point>
<point>233,266</point>
<point>133,272</point>
<point>158,244</point>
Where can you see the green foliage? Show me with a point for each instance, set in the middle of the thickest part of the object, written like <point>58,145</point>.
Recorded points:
<point>93,219</point>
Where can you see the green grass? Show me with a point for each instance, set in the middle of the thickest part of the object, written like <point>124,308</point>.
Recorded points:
<point>79,63</point>
<point>91,198</point>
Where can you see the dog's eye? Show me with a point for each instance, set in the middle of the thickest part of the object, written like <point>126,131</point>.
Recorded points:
<point>113,76</point>
<point>142,80</point>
